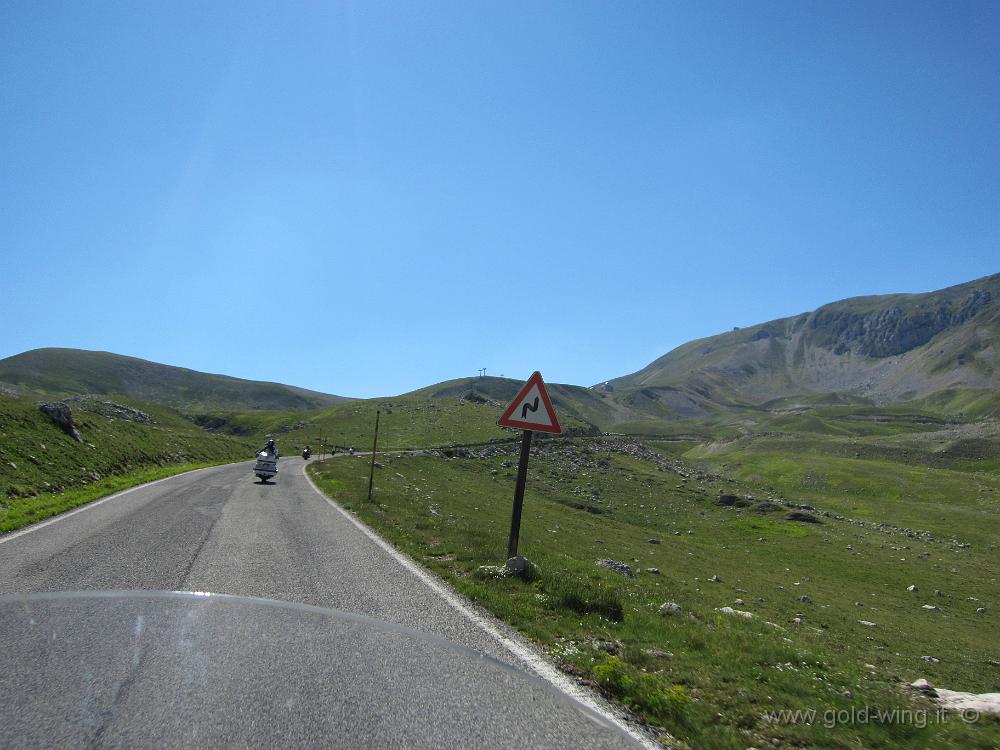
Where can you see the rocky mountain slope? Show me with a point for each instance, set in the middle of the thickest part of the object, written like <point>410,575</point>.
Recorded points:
<point>939,346</point>
<point>64,372</point>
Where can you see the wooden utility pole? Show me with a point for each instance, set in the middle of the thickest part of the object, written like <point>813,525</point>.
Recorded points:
<point>371,473</point>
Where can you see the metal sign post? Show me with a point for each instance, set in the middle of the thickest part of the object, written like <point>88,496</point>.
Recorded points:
<point>531,410</point>
<point>522,477</point>
<point>371,473</point>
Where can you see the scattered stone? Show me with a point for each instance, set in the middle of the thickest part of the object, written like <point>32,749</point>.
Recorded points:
<point>670,608</point>
<point>924,687</point>
<point>522,567</point>
<point>654,541</point>
<point>739,602</point>
<point>798,515</point>
<point>715,579</point>
<point>797,620</point>
<point>732,501</point>
<point>931,608</point>
<point>930,659</point>
<point>805,599</point>
<point>609,647</point>
<point>657,654</point>
<point>617,566</point>
<point>738,612</point>
<point>654,571</point>
<point>120,411</point>
<point>912,588</point>
<point>867,623</point>
<point>970,704</point>
<point>938,592</point>
<point>765,507</point>
<point>980,610</point>
<point>491,571</point>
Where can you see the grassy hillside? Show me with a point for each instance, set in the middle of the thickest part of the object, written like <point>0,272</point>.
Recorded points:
<point>706,677</point>
<point>405,422</point>
<point>44,470</point>
<point>583,404</point>
<point>74,371</point>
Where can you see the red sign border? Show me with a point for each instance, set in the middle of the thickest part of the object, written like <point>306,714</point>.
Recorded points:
<point>506,421</point>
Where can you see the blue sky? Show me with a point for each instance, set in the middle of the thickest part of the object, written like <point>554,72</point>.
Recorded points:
<point>365,198</point>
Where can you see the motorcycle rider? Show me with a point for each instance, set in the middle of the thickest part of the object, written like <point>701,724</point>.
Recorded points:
<point>270,447</point>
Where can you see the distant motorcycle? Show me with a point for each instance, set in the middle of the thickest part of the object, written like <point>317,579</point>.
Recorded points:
<point>306,452</point>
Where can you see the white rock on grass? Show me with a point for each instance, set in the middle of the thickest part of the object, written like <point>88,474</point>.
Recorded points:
<point>867,623</point>
<point>670,608</point>
<point>739,612</point>
<point>955,700</point>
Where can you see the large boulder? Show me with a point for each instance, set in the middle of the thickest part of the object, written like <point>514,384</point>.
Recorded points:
<point>522,567</point>
<point>63,417</point>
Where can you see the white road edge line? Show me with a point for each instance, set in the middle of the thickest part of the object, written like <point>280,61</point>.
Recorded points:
<point>522,650</point>
<point>95,503</point>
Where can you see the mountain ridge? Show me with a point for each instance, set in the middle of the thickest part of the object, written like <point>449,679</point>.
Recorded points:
<point>66,372</point>
<point>887,348</point>
<point>937,348</point>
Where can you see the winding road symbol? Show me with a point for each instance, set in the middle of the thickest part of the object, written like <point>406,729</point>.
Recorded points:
<point>531,409</point>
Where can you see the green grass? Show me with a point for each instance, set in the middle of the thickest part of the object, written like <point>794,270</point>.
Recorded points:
<point>76,371</point>
<point>860,481</point>
<point>16,514</point>
<point>38,458</point>
<point>405,422</point>
<point>703,676</point>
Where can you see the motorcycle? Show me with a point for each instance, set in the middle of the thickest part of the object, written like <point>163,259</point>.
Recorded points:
<point>306,452</point>
<point>266,466</point>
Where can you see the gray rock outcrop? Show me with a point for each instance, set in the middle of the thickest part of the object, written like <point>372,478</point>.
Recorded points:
<point>60,414</point>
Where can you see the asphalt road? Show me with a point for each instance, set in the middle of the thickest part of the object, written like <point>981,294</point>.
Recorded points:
<point>220,531</point>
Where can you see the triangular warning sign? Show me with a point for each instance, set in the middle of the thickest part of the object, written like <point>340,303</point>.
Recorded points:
<point>531,409</point>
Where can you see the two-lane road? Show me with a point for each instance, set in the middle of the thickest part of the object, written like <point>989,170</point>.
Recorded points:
<point>217,530</point>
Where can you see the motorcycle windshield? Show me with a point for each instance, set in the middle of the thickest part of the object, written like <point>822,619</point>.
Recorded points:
<point>174,669</point>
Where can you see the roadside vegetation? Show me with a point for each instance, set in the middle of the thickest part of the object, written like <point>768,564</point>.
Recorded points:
<point>687,530</point>
<point>405,422</point>
<point>18,513</point>
<point>45,471</point>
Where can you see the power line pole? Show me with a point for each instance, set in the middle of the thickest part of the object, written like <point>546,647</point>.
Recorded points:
<point>371,473</point>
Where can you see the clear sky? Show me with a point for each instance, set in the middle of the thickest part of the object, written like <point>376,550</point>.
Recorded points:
<point>365,198</point>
